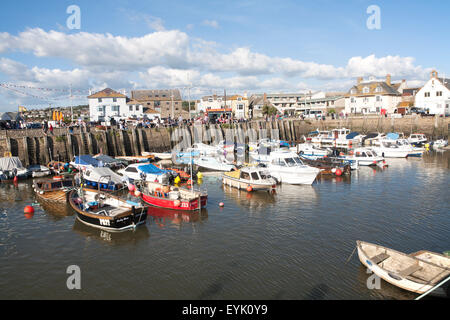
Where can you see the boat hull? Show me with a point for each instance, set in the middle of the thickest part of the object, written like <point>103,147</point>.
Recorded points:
<point>236,183</point>
<point>171,204</point>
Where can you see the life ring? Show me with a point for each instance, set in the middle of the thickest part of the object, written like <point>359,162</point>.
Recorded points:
<point>57,177</point>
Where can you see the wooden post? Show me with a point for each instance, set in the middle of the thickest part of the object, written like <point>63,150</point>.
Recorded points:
<point>25,149</point>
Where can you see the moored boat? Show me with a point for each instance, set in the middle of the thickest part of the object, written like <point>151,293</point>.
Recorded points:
<point>53,193</point>
<point>105,211</point>
<point>249,178</point>
<point>170,197</point>
<point>418,272</point>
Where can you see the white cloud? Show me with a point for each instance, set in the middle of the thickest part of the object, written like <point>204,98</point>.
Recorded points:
<point>211,23</point>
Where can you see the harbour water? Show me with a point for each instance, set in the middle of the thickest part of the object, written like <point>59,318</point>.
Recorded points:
<point>290,245</point>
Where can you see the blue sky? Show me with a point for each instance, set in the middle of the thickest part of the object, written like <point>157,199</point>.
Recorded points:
<point>254,46</point>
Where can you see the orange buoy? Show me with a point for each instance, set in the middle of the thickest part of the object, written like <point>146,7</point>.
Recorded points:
<point>28,210</point>
<point>221,204</point>
<point>249,189</point>
<point>15,179</point>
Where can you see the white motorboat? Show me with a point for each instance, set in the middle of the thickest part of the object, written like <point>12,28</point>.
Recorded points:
<point>287,167</point>
<point>204,149</point>
<point>413,151</point>
<point>214,163</point>
<point>227,146</point>
<point>310,150</point>
<point>11,167</point>
<point>145,172</point>
<point>341,138</point>
<point>417,138</point>
<point>364,157</point>
<point>440,144</point>
<point>390,149</point>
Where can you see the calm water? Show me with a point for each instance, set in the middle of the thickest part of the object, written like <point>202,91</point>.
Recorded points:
<point>292,245</point>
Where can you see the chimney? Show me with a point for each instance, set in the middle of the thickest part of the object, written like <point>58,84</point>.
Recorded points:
<point>265,97</point>
<point>245,94</point>
<point>434,74</point>
<point>388,79</point>
<point>360,79</point>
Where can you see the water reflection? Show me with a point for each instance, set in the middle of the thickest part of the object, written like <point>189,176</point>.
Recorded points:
<point>165,218</point>
<point>129,237</point>
<point>56,211</point>
<point>252,200</point>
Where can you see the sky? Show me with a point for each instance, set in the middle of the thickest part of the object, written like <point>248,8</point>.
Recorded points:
<point>249,46</point>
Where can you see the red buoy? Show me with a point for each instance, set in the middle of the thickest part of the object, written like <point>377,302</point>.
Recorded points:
<point>249,189</point>
<point>28,210</point>
<point>338,172</point>
<point>221,204</point>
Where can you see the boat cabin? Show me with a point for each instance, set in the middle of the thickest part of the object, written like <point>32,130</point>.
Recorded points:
<point>49,185</point>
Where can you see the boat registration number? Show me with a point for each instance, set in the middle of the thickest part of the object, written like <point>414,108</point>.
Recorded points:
<point>104,222</point>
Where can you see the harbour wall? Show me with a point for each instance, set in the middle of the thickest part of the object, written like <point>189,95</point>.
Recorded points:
<point>34,147</point>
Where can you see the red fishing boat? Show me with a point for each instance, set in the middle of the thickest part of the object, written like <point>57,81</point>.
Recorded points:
<point>175,198</point>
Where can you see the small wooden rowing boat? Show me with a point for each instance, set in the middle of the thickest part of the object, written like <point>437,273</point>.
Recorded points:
<point>249,178</point>
<point>418,272</point>
<point>105,211</point>
<point>53,193</point>
<point>137,158</point>
<point>175,198</point>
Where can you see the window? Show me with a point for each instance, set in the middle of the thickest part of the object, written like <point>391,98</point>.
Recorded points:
<point>255,176</point>
<point>114,99</point>
<point>245,175</point>
<point>99,99</point>
<point>378,98</point>
<point>366,90</point>
<point>438,93</point>
<point>427,94</point>
<point>210,100</point>
<point>240,107</point>
<point>352,100</point>
<point>115,108</point>
<point>239,99</point>
<point>131,108</point>
<point>131,169</point>
<point>378,89</point>
<point>100,109</point>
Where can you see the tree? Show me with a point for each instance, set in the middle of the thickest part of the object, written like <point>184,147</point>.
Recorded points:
<point>269,110</point>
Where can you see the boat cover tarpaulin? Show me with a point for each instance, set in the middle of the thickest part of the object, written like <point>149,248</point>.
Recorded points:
<point>86,160</point>
<point>152,169</point>
<point>10,163</point>
<point>392,136</point>
<point>103,175</point>
<point>352,135</point>
<point>107,159</point>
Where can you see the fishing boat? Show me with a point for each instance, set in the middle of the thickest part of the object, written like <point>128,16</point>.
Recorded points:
<point>38,171</point>
<point>53,193</point>
<point>171,197</point>
<point>11,167</point>
<point>105,211</point>
<point>286,167</point>
<point>418,272</point>
<point>251,178</point>
<point>145,172</point>
<point>103,179</point>
<point>329,166</point>
<point>440,144</point>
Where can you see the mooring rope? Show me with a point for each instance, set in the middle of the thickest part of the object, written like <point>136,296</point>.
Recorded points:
<point>351,255</point>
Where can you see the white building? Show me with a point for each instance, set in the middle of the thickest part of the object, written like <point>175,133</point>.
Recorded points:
<point>213,102</point>
<point>374,96</point>
<point>109,104</point>
<point>434,96</point>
